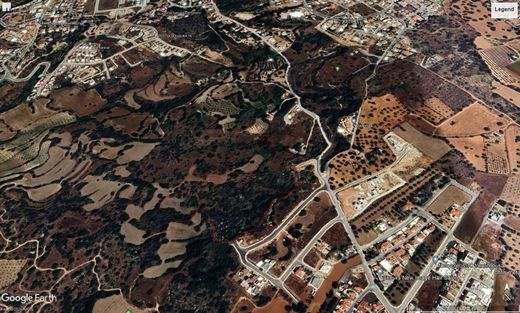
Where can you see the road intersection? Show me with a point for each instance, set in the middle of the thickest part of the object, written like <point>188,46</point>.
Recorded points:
<point>243,251</point>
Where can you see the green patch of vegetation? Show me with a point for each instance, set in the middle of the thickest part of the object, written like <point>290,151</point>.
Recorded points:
<point>259,55</point>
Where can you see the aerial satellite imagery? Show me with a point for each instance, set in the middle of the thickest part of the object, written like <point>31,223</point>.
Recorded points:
<point>259,156</point>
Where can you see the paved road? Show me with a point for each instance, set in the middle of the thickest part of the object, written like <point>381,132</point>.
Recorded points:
<point>308,247</point>
<point>284,223</point>
<point>242,251</point>
<point>274,281</point>
<point>418,283</point>
<point>16,79</point>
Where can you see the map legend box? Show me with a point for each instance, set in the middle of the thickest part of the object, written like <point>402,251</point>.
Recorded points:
<point>504,10</point>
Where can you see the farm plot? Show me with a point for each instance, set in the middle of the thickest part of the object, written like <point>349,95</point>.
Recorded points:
<point>474,120</point>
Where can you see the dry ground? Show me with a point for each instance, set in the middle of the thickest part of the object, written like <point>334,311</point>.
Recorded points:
<point>115,303</point>
<point>479,17</point>
<point>440,207</point>
<point>473,150</point>
<point>431,147</point>
<point>378,115</point>
<point>473,120</point>
<point>77,100</point>
<point>513,147</point>
<point>9,270</point>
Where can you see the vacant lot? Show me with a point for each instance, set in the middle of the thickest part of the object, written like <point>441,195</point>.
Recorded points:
<point>473,150</point>
<point>491,186</point>
<point>440,207</point>
<point>115,303</point>
<point>449,196</point>
<point>474,120</point>
<point>362,193</point>
<point>431,147</point>
<point>488,242</point>
<point>299,287</point>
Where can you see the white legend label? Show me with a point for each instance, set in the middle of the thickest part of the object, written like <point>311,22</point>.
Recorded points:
<point>504,10</point>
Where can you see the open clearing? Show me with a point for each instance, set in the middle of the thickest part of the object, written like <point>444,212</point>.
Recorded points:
<point>440,207</point>
<point>431,147</point>
<point>79,101</point>
<point>115,303</point>
<point>277,305</point>
<point>511,191</point>
<point>473,150</point>
<point>507,93</point>
<point>474,120</point>
<point>434,111</point>
<point>357,198</point>
<point>9,270</point>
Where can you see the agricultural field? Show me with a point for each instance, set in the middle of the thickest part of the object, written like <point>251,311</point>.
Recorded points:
<point>434,111</point>
<point>506,93</point>
<point>80,102</point>
<point>417,87</point>
<point>463,124</point>
<point>511,191</point>
<point>9,270</point>
<point>512,143</point>
<point>502,66</point>
<point>114,303</point>
<point>486,144</point>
